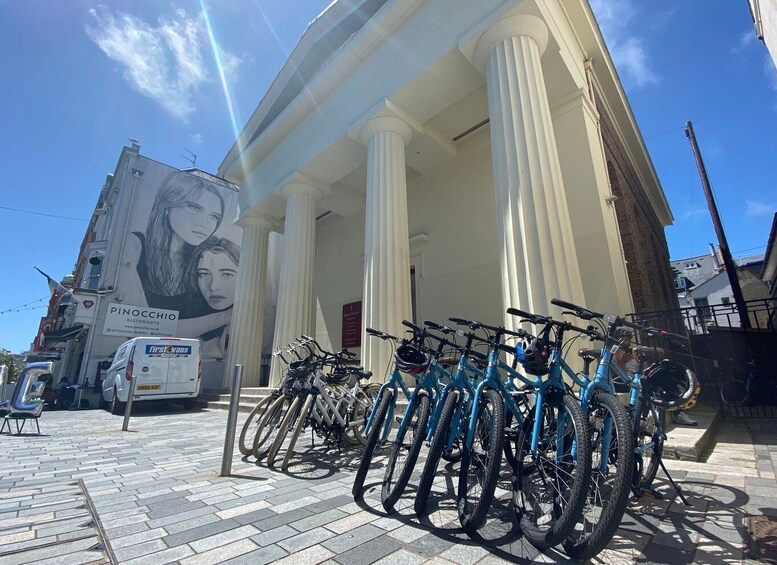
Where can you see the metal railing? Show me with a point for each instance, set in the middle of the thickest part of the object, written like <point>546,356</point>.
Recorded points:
<point>699,320</point>
<point>721,351</point>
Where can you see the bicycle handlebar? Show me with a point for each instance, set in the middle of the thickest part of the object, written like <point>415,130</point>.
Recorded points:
<point>475,325</point>
<point>579,311</point>
<point>533,318</point>
<point>380,334</point>
<point>439,327</point>
<point>671,335</point>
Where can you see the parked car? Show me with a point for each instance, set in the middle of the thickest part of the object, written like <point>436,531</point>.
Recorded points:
<point>165,368</point>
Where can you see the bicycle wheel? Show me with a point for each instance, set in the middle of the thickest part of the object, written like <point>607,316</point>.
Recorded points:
<point>440,440</point>
<point>549,488</point>
<point>480,462</point>
<point>300,424</point>
<point>734,391</point>
<point>384,402</point>
<point>360,413</point>
<point>649,447</point>
<point>612,464</point>
<point>404,455</point>
<point>268,426</point>
<point>283,429</point>
<point>252,424</point>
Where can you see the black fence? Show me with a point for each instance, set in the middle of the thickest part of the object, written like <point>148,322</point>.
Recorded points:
<point>737,367</point>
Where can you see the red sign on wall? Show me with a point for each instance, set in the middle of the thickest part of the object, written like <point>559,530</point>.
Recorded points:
<point>352,324</point>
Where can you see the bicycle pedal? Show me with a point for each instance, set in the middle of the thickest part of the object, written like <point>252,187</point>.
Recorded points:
<point>650,493</point>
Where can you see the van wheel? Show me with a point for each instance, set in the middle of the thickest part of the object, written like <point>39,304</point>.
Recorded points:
<point>117,408</point>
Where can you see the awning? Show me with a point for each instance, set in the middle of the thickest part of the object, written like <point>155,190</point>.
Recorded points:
<point>64,334</point>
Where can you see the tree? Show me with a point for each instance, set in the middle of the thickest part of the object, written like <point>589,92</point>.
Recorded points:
<point>13,363</point>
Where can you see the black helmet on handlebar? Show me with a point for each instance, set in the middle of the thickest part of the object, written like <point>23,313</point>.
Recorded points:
<point>671,385</point>
<point>533,355</point>
<point>410,359</point>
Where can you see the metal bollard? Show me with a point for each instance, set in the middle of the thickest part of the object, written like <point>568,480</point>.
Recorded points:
<point>128,408</point>
<point>229,438</point>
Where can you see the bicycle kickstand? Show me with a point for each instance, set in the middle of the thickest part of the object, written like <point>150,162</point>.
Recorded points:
<point>677,488</point>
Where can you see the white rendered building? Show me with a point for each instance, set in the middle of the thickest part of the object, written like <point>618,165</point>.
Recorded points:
<point>436,158</point>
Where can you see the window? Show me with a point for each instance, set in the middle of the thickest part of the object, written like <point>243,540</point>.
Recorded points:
<point>681,283</point>
<point>725,300</point>
<point>703,308</point>
<point>691,265</point>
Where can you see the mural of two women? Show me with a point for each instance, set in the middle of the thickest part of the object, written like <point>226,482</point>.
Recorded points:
<point>182,261</point>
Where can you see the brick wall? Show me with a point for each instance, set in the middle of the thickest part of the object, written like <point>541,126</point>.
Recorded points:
<point>644,242</point>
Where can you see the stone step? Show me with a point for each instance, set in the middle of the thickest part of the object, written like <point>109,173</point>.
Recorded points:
<point>689,443</point>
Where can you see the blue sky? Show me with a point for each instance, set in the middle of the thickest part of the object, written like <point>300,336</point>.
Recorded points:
<point>80,77</point>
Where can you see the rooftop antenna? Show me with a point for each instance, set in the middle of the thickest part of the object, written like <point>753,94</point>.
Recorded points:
<point>192,159</point>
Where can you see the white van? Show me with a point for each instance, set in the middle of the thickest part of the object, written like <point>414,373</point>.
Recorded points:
<point>165,368</point>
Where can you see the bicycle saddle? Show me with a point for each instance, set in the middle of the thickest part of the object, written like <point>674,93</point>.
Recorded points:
<point>589,354</point>
<point>448,362</point>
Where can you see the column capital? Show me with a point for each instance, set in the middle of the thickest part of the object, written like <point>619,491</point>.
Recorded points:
<point>530,26</point>
<point>385,123</point>
<point>385,116</point>
<point>300,183</point>
<point>258,219</point>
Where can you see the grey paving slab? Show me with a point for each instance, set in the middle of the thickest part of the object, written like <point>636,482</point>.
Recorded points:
<point>138,550</point>
<point>269,537</point>
<point>306,539</point>
<point>259,557</point>
<point>171,555</point>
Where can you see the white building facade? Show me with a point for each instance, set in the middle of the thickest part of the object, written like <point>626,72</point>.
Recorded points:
<point>436,158</point>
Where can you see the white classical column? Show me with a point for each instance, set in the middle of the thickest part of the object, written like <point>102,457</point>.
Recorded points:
<point>245,337</point>
<point>538,257</point>
<point>387,299</point>
<point>294,315</point>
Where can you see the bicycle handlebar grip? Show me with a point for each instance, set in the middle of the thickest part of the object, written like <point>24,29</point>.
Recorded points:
<point>411,325</point>
<point>565,304</point>
<point>372,331</point>
<point>520,313</point>
<point>681,337</point>
<point>579,310</point>
<point>433,325</point>
<point>460,321</point>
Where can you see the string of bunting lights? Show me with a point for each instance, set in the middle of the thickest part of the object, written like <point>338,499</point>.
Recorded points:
<point>28,306</point>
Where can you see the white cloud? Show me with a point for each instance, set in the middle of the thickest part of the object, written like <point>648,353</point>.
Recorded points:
<point>693,213</point>
<point>197,138</point>
<point>746,39</point>
<point>167,62</point>
<point>754,208</point>
<point>626,49</point>
<point>771,71</point>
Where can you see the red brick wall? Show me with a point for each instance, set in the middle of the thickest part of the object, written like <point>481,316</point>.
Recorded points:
<point>644,242</point>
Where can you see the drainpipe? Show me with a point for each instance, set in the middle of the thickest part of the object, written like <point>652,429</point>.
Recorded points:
<point>136,174</point>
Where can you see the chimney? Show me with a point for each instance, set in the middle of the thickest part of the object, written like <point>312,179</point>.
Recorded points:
<point>715,258</point>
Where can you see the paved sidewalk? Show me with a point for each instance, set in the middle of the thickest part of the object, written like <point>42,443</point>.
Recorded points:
<point>156,494</point>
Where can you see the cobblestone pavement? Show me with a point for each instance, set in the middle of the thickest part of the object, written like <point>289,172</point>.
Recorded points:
<point>156,495</point>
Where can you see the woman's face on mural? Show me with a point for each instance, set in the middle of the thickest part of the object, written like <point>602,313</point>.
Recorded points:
<point>196,220</point>
<point>216,276</point>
